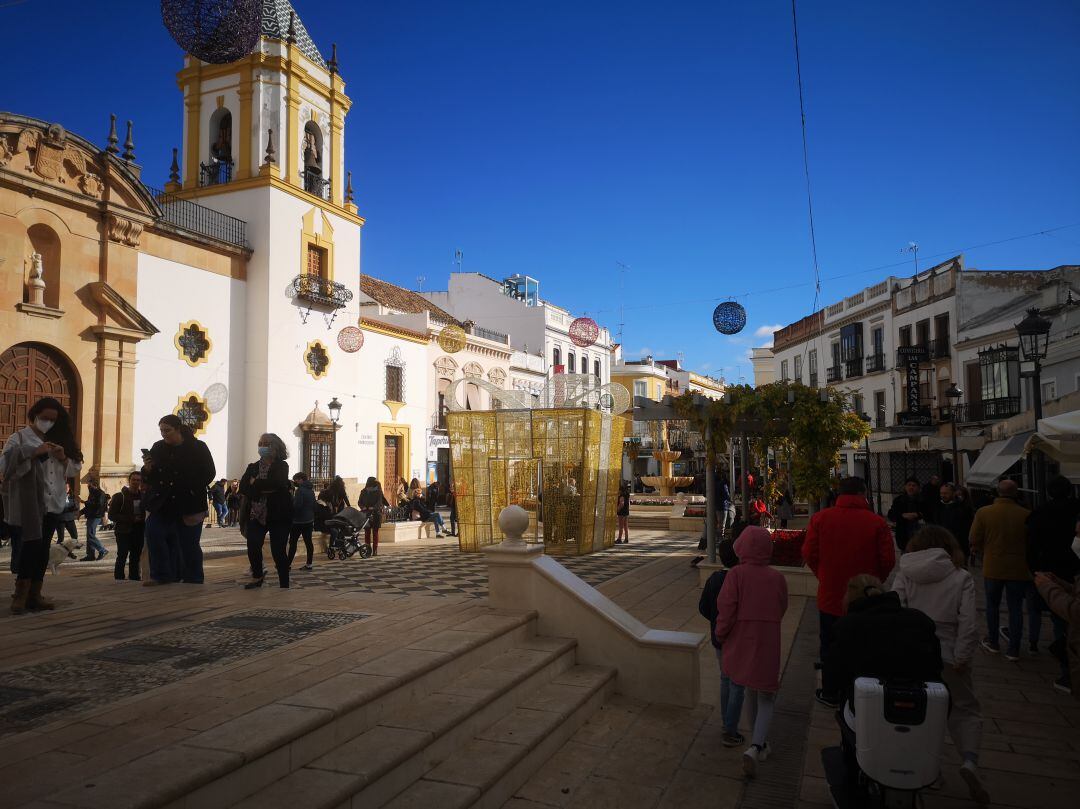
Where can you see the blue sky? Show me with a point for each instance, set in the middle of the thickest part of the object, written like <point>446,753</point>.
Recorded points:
<point>558,138</point>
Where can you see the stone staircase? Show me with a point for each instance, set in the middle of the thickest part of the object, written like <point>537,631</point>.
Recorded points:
<point>459,719</point>
<point>649,521</point>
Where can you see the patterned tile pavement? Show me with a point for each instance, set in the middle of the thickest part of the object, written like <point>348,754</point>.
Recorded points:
<point>443,570</point>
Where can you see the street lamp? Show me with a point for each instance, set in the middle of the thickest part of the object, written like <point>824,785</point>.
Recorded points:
<point>1034,332</point>
<point>869,487</point>
<point>953,394</point>
<point>335,410</point>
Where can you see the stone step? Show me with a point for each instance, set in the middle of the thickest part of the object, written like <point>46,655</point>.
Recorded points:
<point>222,766</point>
<point>486,772</point>
<point>402,749</point>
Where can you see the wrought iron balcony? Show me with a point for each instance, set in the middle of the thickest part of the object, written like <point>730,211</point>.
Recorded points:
<point>216,172</point>
<point>191,216</point>
<point>315,289</point>
<point>986,410</point>
<point>833,374</point>
<point>938,349</point>
<point>315,183</point>
<point>853,367</point>
<point>875,363</point>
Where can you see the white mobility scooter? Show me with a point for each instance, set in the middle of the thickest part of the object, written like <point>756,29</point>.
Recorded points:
<point>899,732</point>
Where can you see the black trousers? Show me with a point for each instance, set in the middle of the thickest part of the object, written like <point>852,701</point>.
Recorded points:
<point>34,555</point>
<point>279,540</point>
<point>129,546</point>
<point>301,530</point>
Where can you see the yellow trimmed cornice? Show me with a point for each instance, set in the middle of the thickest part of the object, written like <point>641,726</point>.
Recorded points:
<point>273,182</point>
<point>378,327</point>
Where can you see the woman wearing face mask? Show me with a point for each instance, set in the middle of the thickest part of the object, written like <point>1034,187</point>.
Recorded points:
<point>266,485</point>
<point>175,473</point>
<point>1064,599</point>
<point>37,461</point>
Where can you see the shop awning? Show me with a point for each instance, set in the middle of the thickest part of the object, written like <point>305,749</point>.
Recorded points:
<point>927,443</point>
<point>995,458</point>
<point>1059,437</point>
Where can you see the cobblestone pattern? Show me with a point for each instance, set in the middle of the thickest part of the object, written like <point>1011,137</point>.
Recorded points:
<point>33,695</point>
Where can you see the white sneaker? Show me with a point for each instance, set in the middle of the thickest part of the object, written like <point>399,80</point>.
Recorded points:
<point>750,760</point>
<point>764,752</point>
<point>970,773</point>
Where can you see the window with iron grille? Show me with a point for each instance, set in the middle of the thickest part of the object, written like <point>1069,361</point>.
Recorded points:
<point>394,387</point>
<point>319,457</point>
<point>316,261</point>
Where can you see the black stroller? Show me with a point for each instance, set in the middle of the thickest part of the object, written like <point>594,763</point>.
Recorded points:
<point>346,529</point>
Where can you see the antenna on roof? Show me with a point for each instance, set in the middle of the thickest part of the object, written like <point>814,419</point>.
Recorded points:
<point>623,269</point>
<point>458,258</point>
<point>914,250</point>
<point>420,279</point>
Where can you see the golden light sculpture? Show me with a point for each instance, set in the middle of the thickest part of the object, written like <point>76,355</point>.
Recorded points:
<point>452,339</point>
<point>561,464</point>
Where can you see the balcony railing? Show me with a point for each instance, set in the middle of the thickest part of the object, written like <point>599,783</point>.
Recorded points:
<point>438,421</point>
<point>315,289</point>
<point>315,183</point>
<point>216,172</point>
<point>986,410</point>
<point>853,367</point>
<point>937,349</point>
<point>875,363</point>
<point>490,334</point>
<point>833,374</point>
<point>196,218</point>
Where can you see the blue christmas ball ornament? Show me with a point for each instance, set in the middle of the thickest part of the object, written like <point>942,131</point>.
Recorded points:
<point>729,317</point>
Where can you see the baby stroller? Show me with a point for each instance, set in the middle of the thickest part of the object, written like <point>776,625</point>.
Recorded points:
<point>346,529</point>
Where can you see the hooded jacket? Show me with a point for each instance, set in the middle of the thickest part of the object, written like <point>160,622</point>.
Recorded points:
<point>303,503</point>
<point>749,608</point>
<point>930,582</point>
<point>844,541</point>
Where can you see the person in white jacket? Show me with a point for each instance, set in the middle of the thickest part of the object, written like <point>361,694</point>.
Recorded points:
<point>932,579</point>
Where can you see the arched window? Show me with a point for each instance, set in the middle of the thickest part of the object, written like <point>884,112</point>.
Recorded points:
<point>556,356</point>
<point>570,364</point>
<point>43,240</point>
<point>219,169</point>
<point>313,159</point>
<point>596,368</point>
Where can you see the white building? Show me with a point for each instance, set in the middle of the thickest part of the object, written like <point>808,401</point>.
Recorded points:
<point>514,307</point>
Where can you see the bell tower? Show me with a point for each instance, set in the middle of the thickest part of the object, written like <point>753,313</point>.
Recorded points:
<point>275,117</point>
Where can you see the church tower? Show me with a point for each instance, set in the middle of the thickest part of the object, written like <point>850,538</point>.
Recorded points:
<point>274,118</point>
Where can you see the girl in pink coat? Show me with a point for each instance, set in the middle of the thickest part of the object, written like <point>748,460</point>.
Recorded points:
<point>750,606</point>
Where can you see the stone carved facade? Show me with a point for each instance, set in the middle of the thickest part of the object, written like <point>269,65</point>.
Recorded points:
<point>124,231</point>
<point>52,158</point>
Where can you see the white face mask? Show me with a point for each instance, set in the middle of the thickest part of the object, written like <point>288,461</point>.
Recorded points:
<point>1076,545</point>
<point>43,425</point>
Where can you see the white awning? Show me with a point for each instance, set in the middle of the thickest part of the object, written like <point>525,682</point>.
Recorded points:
<point>995,458</point>
<point>1059,437</point>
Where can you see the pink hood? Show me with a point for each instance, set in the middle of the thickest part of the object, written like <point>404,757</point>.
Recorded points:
<point>754,546</point>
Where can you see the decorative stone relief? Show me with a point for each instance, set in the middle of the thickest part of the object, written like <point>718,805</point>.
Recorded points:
<point>473,369</point>
<point>35,282</point>
<point>52,158</point>
<point>497,377</point>
<point>124,231</point>
<point>446,366</point>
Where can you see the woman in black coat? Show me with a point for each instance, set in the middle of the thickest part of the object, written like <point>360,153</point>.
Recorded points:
<point>372,502</point>
<point>176,471</point>
<point>266,486</point>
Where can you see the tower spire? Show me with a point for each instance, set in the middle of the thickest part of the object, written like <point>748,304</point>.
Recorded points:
<point>112,139</point>
<point>129,146</point>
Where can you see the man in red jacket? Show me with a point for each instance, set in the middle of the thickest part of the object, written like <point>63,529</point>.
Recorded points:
<point>841,542</point>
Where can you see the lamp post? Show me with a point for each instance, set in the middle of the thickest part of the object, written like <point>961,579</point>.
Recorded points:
<point>1034,334</point>
<point>335,410</point>
<point>953,394</point>
<point>869,486</point>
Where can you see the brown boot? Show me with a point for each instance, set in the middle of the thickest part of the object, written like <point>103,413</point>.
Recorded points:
<point>36,601</point>
<point>18,598</point>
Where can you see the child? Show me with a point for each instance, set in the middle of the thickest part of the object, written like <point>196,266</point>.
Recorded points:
<point>622,512</point>
<point>707,606</point>
<point>932,579</point>
<point>751,604</point>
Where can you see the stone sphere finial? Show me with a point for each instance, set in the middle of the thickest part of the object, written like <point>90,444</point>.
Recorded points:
<point>514,522</point>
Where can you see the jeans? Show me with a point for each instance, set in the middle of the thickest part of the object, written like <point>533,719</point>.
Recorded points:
<point>222,512</point>
<point>301,530</point>
<point>731,698</point>
<point>59,527</point>
<point>93,544</point>
<point>1036,606</point>
<point>727,518</point>
<point>1015,594</point>
<point>129,546</point>
<point>436,518</point>
<point>826,622</point>
<point>279,539</point>
<point>175,553</point>
<point>34,554</point>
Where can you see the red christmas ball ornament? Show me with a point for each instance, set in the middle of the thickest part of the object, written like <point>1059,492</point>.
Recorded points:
<point>583,332</point>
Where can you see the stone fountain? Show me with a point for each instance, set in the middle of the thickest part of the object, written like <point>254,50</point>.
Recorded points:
<point>666,483</point>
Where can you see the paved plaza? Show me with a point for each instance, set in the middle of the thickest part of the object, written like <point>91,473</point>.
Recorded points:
<point>97,697</point>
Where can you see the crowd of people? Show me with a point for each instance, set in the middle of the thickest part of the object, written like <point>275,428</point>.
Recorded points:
<point>158,516</point>
<point>900,603</point>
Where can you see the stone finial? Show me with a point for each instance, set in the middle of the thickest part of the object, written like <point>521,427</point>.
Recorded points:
<point>290,37</point>
<point>271,155</point>
<point>36,282</point>
<point>333,64</point>
<point>129,146</point>
<point>348,188</point>
<point>513,522</point>
<point>174,169</point>
<point>112,139</point>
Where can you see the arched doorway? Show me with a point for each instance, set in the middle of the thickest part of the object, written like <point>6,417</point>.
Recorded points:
<point>29,371</point>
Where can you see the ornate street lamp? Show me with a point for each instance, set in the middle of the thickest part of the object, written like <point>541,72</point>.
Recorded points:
<point>335,410</point>
<point>869,487</point>
<point>954,394</point>
<point>1034,332</point>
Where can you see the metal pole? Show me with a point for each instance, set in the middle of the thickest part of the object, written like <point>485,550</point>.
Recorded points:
<point>869,483</point>
<point>710,498</point>
<point>879,483</point>
<point>744,460</point>
<point>1040,459</point>
<point>955,451</point>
